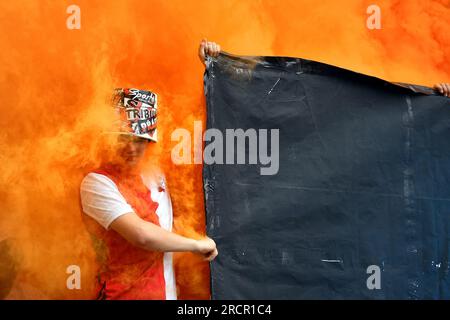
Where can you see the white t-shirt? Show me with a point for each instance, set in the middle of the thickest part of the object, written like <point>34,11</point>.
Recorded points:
<point>102,200</point>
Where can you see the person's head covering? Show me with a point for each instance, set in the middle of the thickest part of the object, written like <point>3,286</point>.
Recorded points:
<point>137,112</point>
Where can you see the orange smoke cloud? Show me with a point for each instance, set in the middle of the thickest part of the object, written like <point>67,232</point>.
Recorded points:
<point>55,82</point>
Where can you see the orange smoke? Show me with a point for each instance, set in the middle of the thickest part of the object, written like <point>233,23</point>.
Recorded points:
<point>55,82</point>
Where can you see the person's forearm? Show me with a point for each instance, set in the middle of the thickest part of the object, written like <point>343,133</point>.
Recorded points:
<point>156,238</point>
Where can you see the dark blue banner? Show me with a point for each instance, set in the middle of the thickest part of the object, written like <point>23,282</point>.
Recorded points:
<point>325,183</point>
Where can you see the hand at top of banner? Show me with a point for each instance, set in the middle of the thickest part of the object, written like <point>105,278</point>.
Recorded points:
<point>208,48</point>
<point>443,88</point>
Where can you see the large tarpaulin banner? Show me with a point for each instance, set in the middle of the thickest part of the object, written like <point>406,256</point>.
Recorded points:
<point>357,204</point>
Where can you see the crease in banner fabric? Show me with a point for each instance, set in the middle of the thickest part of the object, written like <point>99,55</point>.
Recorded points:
<point>323,183</point>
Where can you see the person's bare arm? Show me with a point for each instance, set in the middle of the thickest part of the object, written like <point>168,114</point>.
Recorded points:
<point>208,48</point>
<point>443,88</point>
<point>149,236</point>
